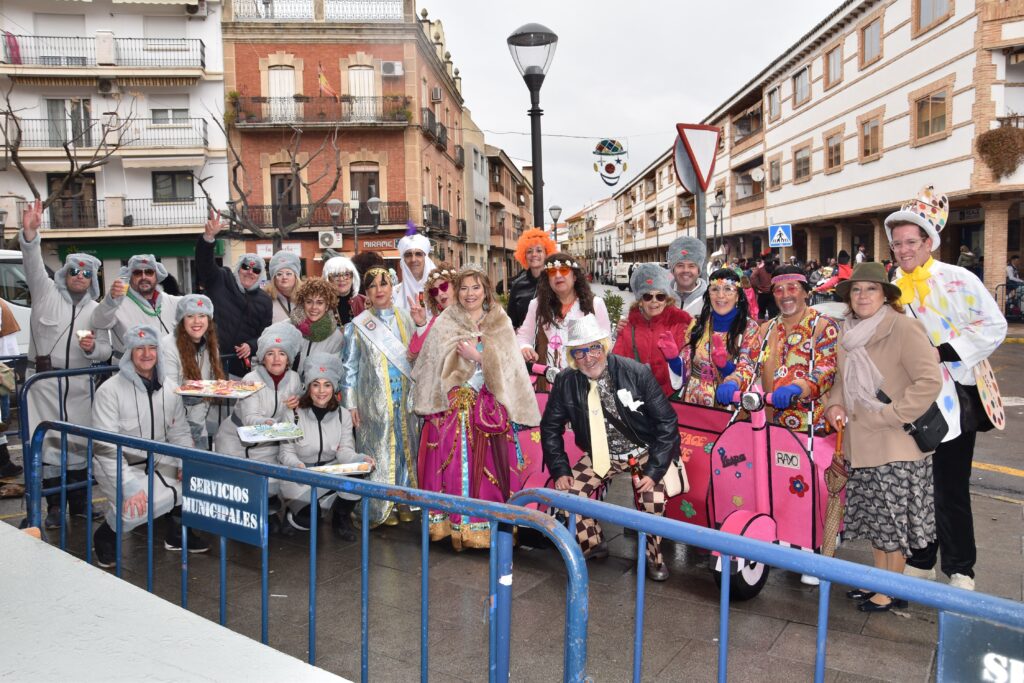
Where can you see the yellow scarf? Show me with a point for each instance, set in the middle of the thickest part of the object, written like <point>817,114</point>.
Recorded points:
<point>915,283</point>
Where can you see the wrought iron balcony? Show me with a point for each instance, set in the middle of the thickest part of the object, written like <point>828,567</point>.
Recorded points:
<point>152,212</point>
<point>431,216</point>
<point>338,11</point>
<point>268,215</point>
<point>43,133</point>
<point>1015,121</point>
<point>460,156</point>
<point>115,212</point>
<point>348,111</point>
<point>462,231</point>
<point>442,136</point>
<point>70,214</point>
<point>428,122</point>
<point>74,51</point>
<point>444,220</point>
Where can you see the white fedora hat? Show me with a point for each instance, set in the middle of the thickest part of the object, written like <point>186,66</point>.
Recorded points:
<point>585,331</point>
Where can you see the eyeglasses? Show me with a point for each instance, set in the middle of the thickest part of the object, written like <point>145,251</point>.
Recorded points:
<point>583,351</point>
<point>340,276</point>
<point>652,296</point>
<point>84,272</point>
<point>148,272</point>
<point>790,288</point>
<point>442,287</point>
<point>912,245</point>
<point>723,289</point>
<point>255,269</point>
<point>564,271</point>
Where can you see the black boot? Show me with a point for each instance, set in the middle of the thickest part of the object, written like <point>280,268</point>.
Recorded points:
<point>299,520</point>
<point>8,468</point>
<point>341,519</point>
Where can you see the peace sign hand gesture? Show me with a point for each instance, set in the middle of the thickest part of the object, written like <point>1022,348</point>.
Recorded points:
<point>214,224</point>
<point>417,312</point>
<point>31,219</point>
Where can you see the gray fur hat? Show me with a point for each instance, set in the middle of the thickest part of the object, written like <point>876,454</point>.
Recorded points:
<point>285,259</point>
<point>687,249</point>
<point>140,335</point>
<point>323,366</point>
<point>146,262</point>
<point>193,304</point>
<point>650,277</point>
<point>86,261</point>
<point>282,335</point>
<point>252,260</point>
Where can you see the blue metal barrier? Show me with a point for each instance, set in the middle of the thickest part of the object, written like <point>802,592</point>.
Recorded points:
<point>503,519</point>
<point>17,364</point>
<point>829,570</point>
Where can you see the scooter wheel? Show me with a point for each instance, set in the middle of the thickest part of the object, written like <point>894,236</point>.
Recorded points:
<point>746,583</point>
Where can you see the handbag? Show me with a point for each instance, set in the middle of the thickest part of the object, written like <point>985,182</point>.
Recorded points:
<point>929,430</point>
<point>675,479</point>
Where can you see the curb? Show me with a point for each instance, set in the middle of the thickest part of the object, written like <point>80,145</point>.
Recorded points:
<point>1014,340</point>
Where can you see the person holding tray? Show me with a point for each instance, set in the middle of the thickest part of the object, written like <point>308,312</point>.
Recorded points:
<point>471,390</point>
<point>316,300</point>
<point>327,440</point>
<point>274,403</point>
<point>191,352</point>
<point>376,388</point>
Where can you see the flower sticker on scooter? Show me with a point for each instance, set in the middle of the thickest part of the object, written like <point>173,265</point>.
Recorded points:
<point>687,509</point>
<point>797,485</point>
<point>627,399</point>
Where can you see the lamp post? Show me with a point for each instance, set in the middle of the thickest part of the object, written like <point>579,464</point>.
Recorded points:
<point>373,206</point>
<point>716,213</point>
<point>504,252</point>
<point>334,207</point>
<point>353,207</point>
<point>556,213</point>
<point>532,47</point>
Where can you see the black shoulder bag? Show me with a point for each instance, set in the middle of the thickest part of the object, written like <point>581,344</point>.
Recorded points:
<point>928,430</point>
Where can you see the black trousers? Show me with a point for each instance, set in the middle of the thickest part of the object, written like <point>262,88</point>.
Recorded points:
<point>76,499</point>
<point>954,523</point>
<point>766,305</point>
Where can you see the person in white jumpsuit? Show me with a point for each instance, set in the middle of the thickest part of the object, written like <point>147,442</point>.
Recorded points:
<point>138,303</point>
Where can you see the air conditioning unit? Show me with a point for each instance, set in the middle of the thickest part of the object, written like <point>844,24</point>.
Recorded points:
<point>199,10</point>
<point>435,94</point>
<point>329,239</point>
<point>107,86</point>
<point>391,69</point>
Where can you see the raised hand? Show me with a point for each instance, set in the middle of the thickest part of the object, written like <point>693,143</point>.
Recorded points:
<point>213,225</point>
<point>118,289</point>
<point>417,312</point>
<point>668,346</point>
<point>31,219</point>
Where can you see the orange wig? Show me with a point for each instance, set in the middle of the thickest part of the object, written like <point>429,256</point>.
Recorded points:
<point>533,237</point>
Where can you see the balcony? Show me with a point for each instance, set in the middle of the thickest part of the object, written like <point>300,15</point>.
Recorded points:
<point>431,216</point>
<point>462,232</point>
<point>1016,121</point>
<point>444,220</point>
<point>389,111</point>
<point>460,156</point>
<point>55,133</point>
<point>102,56</point>
<point>118,212</point>
<point>269,215</point>
<point>442,137</point>
<point>428,123</point>
<point>338,11</point>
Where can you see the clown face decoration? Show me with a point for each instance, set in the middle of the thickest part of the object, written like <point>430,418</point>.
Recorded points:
<point>611,161</point>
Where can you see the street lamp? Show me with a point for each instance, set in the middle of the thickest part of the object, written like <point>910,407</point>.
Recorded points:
<point>3,227</point>
<point>533,47</point>
<point>716,213</point>
<point>334,207</point>
<point>373,205</point>
<point>556,213</point>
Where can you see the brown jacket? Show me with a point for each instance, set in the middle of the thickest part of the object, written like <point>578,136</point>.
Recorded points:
<point>912,379</point>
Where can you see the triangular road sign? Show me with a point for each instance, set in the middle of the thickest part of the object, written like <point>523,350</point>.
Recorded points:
<point>701,144</point>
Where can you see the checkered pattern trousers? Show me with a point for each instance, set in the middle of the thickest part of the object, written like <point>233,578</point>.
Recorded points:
<point>585,482</point>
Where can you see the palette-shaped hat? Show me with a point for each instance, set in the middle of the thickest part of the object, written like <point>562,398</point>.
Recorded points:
<point>929,211</point>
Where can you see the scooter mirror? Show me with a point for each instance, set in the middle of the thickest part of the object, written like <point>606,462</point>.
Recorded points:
<point>752,401</point>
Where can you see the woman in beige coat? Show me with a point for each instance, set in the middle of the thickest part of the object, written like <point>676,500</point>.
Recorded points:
<point>889,497</point>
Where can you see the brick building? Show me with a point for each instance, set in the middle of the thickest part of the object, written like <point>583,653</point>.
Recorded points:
<point>510,201</point>
<point>381,80</point>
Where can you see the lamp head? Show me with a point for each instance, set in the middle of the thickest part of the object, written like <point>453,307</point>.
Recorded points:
<point>334,207</point>
<point>532,47</point>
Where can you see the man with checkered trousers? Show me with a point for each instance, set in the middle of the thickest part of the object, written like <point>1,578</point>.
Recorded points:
<point>617,411</point>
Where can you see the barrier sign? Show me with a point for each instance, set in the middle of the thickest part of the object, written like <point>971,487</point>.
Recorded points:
<point>224,502</point>
<point>978,650</point>
<point>780,235</point>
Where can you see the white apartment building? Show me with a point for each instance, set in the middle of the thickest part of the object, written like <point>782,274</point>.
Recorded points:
<point>880,99</point>
<point>478,233</point>
<point>141,80</point>
<point>582,234</point>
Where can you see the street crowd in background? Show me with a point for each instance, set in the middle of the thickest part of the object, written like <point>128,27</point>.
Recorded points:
<point>426,378</point>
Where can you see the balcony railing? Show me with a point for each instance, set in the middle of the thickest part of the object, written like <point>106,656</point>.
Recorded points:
<point>442,136</point>
<point>462,231</point>
<point>70,214</point>
<point>346,110</point>
<point>431,216</point>
<point>460,156</point>
<point>151,212</point>
<point>42,133</point>
<point>1016,121</point>
<point>429,123</point>
<point>346,11</point>
<point>267,215</point>
<point>444,220</point>
<point>72,51</point>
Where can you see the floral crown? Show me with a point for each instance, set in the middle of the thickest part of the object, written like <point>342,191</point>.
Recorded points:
<point>559,264</point>
<point>441,274</point>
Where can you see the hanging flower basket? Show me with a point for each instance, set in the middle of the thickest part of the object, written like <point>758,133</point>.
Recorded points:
<point>1002,149</point>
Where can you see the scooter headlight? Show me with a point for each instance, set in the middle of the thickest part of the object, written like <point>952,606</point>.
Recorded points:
<point>752,401</point>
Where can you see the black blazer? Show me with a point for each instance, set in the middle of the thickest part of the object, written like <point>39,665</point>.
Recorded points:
<point>654,423</point>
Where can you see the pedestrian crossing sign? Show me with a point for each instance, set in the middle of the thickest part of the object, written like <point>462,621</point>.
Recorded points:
<point>780,235</point>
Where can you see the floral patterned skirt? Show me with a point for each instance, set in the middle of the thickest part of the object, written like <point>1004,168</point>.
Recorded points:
<point>892,505</point>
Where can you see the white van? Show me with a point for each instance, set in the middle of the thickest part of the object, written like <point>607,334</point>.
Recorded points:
<point>622,272</point>
<point>14,290</point>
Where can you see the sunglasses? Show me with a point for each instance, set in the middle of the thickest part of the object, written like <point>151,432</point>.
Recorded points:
<point>442,287</point>
<point>148,272</point>
<point>791,288</point>
<point>583,351</point>
<point>652,296</point>
<point>564,271</point>
<point>84,272</point>
<point>255,269</point>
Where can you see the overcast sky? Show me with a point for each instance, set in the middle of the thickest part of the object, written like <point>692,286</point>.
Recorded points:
<point>624,69</point>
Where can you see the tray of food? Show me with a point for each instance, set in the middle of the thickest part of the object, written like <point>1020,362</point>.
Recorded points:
<point>345,468</point>
<point>279,431</point>
<point>219,388</point>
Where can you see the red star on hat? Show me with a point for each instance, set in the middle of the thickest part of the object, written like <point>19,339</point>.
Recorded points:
<point>277,340</point>
<point>650,281</point>
<point>142,333</point>
<point>81,264</point>
<point>199,303</point>
<point>323,369</point>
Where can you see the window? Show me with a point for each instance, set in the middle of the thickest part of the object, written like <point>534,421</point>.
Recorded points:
<point>774,104</point>
<point>775,173</point>
<point>869,134</point>
<point>801,86</point>
<point>834,150</point>
<point>168,109</point>
<point>871,42</point>
<point>929,14</point>
<point>834,66</point>
<point>746,124</point>
<point>802,163</point>
<point>746,188</point>
<point>172,186</point>
<point>931,114</point>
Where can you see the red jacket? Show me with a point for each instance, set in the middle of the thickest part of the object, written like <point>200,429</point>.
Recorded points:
<point>639,340</point>
<point>843,273</point>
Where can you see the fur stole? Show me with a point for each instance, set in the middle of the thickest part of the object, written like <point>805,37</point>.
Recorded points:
<point>439,367</point>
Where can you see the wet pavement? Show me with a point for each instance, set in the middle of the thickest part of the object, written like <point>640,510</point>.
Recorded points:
<point>772,636</point>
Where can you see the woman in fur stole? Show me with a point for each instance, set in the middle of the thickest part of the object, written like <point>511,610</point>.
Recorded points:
<point>471,396</point>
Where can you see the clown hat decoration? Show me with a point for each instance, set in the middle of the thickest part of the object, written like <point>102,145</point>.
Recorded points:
<point>929,211</point>
<point>611,160</point>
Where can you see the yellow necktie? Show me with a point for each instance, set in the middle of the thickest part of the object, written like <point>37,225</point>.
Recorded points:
<point>598,435</point>
<point>915,283</point>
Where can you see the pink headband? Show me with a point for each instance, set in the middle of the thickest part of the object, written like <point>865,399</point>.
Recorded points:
<point>788,277</point>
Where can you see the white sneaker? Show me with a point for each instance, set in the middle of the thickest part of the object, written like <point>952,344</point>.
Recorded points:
<point>808,580</point>
<point>928,574</point>
<point>961,581</point>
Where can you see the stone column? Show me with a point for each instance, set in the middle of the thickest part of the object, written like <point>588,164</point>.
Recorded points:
<point>996,225</point>
<point>813,244</point>
<point>844,240</point>
<point>881,241</point>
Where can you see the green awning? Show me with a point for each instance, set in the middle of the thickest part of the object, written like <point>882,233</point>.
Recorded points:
<point>123,250</point>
